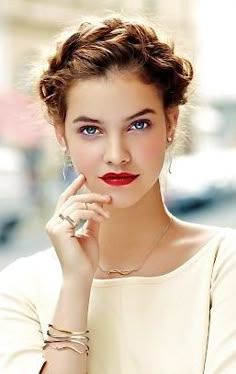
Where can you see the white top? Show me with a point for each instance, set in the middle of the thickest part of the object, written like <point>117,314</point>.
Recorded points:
<point>182,322</point>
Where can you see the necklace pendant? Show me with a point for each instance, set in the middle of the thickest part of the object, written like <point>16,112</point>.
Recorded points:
<point>121,272</point>
<point>127,272</point>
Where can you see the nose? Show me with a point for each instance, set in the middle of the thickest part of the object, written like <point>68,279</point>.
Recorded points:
<point>116,152</point>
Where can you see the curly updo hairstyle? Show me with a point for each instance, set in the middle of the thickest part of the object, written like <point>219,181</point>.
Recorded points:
<point>96,47</point>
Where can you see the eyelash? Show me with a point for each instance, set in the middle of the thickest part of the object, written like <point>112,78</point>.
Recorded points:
<point>81,129</point>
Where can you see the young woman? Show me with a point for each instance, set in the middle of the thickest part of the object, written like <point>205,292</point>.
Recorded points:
<point>134,289</point>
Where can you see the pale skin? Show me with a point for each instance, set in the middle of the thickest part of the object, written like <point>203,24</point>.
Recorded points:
<point>130,217</point>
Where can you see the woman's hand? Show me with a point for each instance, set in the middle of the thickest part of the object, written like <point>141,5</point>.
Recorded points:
<point>78,252</point>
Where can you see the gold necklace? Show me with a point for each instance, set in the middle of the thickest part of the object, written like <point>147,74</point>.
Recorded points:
<point>128,271</point>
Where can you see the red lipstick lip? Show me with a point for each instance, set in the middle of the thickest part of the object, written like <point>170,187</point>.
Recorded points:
<point>118,175</point>
<point>118,179</point>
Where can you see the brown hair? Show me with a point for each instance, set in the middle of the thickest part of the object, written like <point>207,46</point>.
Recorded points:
<point>97,47</point>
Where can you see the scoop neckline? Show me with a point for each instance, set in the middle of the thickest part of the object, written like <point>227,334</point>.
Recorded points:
<point>97,282</point>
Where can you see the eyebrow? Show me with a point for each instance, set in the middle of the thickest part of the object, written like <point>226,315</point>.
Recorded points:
<point>89,119</point>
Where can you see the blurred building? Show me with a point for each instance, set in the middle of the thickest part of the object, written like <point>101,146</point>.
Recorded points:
<point>29,24</point>
<point>4,47</point>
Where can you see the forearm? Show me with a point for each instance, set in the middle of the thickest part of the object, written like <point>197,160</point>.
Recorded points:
<point>70,314</point>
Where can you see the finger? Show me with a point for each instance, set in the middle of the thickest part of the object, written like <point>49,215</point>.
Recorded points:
<point>70,208</point>
<point>99,209</point>
<point>69,220</point>
<point>82,199</point>
<point>59,226</point>
<point>92,198</point>
<point>72,189</point>
<point>91,228</point>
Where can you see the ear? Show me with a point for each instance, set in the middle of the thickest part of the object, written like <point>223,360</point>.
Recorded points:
<point>60,135</point>
<point>172,114</point>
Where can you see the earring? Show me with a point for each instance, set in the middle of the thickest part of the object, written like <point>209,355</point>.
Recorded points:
<point>170,163</point>
<point>67,163</point>
<point>169,140</point>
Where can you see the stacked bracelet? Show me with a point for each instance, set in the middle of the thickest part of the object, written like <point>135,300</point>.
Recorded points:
<point>78,337</point>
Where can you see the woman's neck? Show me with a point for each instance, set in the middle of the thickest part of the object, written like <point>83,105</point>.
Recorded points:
<point>127,236</point>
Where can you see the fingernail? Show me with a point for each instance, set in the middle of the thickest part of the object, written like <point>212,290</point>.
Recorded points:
<point>108,197</point>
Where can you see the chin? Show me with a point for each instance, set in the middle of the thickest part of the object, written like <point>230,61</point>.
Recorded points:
<point>122,203</point>
<point>121,199</point>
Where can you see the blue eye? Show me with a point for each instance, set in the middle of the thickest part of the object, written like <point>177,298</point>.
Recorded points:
<point>90,130</point>
<point>141,124</point>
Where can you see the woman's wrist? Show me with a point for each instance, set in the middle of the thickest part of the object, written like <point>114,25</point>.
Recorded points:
<point>77,283</point>
<point>72,307</point>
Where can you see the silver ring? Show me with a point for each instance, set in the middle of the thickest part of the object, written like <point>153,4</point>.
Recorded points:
<point>71,221</point>
<point>61,216</point>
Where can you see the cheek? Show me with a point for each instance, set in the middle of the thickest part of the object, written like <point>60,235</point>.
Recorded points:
<point>153,151</point>
<point>84,160</point>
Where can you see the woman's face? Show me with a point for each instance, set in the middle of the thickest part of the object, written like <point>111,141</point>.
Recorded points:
<point>117,124</point>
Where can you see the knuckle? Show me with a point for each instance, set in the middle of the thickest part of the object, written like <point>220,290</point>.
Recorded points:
<point>95,196</point>
<point>98,209</point>
<point>54,230</point>
<point>98,215</point>
<point>62,196</point>
<point>72,198</point>
<point>92,205</point>
<point>100,197</point>
<point>48,226</point>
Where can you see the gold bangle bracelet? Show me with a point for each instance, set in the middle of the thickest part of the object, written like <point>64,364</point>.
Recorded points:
<point>64,347</point>
<point>68,332</point>
<point>76,336</point>
<point>67,340</point>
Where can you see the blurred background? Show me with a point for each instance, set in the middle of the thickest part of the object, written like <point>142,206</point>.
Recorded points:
<point>202,185</point>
